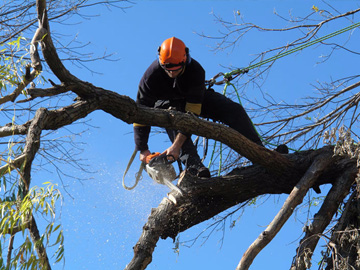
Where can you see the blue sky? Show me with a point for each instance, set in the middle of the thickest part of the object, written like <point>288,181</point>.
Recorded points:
<point>101,220</point>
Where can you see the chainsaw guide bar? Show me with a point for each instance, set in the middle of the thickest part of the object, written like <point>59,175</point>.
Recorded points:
<point>161,170</point>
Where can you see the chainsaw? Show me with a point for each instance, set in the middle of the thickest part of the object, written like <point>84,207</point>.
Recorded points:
<point>161,170</point>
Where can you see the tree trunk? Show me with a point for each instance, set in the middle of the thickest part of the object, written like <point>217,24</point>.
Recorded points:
<point>344,247</point>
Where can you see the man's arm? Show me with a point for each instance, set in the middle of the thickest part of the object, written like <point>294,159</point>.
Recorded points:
<point>174,149</point>
<point>141,137</point>
<point>144,154</point>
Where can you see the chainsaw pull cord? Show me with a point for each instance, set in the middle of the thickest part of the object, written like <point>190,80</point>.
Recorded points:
<point>137,175</point>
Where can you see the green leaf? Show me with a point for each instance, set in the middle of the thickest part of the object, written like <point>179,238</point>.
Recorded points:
<point>315,8</point>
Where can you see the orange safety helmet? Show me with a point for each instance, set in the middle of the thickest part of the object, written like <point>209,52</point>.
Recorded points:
<point>172,54</point>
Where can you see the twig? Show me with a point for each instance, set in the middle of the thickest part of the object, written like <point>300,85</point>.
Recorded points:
<point>10,248</point>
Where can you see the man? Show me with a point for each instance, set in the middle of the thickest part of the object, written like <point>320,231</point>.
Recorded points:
<point>178,81</point>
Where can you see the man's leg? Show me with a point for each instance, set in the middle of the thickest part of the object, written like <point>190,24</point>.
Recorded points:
<point>220,108</point>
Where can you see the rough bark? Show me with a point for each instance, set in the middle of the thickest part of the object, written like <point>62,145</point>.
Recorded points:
<point>31,147</point>
<point>38,244</point>
<point>344,246</point>
<point>125,109</point>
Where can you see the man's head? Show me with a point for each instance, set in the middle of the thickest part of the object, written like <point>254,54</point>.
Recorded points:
<point>172,56</point>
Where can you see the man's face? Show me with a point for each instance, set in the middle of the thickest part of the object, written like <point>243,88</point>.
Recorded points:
<point>173,73</point>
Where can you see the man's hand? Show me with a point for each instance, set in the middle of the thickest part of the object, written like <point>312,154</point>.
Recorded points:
<point>174,149</point>
<point>144,154</point>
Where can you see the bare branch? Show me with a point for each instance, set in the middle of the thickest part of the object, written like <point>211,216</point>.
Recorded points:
<point>47,92</point>
<point>295,198</point>
<point>10,248</point>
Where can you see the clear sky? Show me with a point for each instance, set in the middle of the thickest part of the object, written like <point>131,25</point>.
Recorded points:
<point>101,220</point>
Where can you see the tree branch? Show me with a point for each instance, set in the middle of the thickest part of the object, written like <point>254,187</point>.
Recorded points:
<point>39,246</point>
<point>295,198</point>
<point>124,108</point>
<point>10,248</point>
<point>12,165</point>
<point>343,247</point>
<point>151,232</point>
<point>115,104</point>
<point>35,63</point>
<point>31,147</point>
<point>48,48</point>
<point>206,198</point>
<point>322,219</point>
<point>47,92</point>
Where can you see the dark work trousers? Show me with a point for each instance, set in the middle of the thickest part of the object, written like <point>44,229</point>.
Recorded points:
<point>220,108</point>
<point>217,107</point>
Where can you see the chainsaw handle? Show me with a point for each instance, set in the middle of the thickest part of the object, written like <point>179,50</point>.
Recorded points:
<point>159,156</point>
<point>151,156</point>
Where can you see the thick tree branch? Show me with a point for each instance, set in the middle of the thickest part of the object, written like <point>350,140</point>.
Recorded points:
<point>124,108</point>
<point>31,147</point>
<point>192,124</point>
<point>49,50</point>
<point>151,232</point>
<point>56,118</point>
<point>206,198</point>
<point>47,92</point>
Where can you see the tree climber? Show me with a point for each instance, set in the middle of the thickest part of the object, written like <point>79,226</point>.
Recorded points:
<point>177,81</point>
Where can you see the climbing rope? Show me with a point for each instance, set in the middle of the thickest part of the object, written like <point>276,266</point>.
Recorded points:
<point>227,77</point>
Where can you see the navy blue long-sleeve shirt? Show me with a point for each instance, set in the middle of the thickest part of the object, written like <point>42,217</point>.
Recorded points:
<point>156,85</point>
